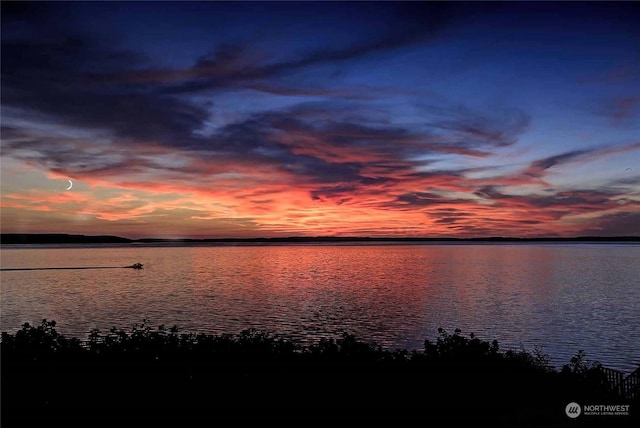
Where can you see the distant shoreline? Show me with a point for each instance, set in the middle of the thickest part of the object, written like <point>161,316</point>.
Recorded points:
<point>60,238</point>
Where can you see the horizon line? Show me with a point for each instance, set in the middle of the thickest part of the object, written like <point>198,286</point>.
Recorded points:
<point>294,238</point>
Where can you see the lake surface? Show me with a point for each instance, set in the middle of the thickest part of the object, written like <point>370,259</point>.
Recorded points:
<point>557,297</point>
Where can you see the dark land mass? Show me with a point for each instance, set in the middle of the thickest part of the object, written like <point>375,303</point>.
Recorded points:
<point>61,238</point>
<point>148,376</point>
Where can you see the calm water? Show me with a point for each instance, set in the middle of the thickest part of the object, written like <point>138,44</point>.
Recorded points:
<point>558,297</point>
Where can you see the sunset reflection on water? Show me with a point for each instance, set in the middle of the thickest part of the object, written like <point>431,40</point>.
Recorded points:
<point>561,298</point>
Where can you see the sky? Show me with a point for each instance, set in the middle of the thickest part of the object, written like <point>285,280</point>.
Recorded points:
<point>267,119</point>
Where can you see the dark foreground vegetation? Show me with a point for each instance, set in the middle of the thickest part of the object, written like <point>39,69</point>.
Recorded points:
<point>161,375</point>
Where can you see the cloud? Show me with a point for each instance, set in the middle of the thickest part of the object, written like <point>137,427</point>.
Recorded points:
<point>314,155</point>
<point>538,168</point>
<point>330,145</point>
<point>464,127</point>
<point>239,65</point>
<point>74,81</point>
<point>624,223</point>
<point>557,206</point>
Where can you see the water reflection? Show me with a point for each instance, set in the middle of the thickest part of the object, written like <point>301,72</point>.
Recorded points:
<point>561,298</point>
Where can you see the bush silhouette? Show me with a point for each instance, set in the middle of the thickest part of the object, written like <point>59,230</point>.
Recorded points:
<point>161,373</point>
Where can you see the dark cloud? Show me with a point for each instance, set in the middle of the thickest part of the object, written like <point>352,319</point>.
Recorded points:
<point>547,163</point>
<point>618,224</point>
<point>447,220</point>
<point>449,215</point>
<point>475,130</point>
<point>82,82</point>
<point>57,79</point>
<point>587,198</point>
<point>560,204</point>
<point>235,65</point>
<point>319,143</point>
<point>537,168</point>
<point>413,200</point>
<point>632,180</point>
<point>491,192</point>
<point>338,149</point>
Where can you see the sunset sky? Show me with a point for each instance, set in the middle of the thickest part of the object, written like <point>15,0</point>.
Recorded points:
<point>242,119</point>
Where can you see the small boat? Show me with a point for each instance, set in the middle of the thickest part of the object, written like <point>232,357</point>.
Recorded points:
<point>135,266</point>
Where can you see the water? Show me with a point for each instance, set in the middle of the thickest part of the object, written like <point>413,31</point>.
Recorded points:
<point>559,298</point>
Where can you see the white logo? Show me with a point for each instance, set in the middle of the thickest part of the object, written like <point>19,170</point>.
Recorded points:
<point>573,410</point>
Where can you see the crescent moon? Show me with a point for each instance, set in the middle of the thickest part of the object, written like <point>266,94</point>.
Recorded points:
<point>70,185</point>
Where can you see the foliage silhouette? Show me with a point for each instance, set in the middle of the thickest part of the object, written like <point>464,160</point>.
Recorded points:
<point>163,373</point>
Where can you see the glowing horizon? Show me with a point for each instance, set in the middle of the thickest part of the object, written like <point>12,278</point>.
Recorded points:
<point>378,119</point>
